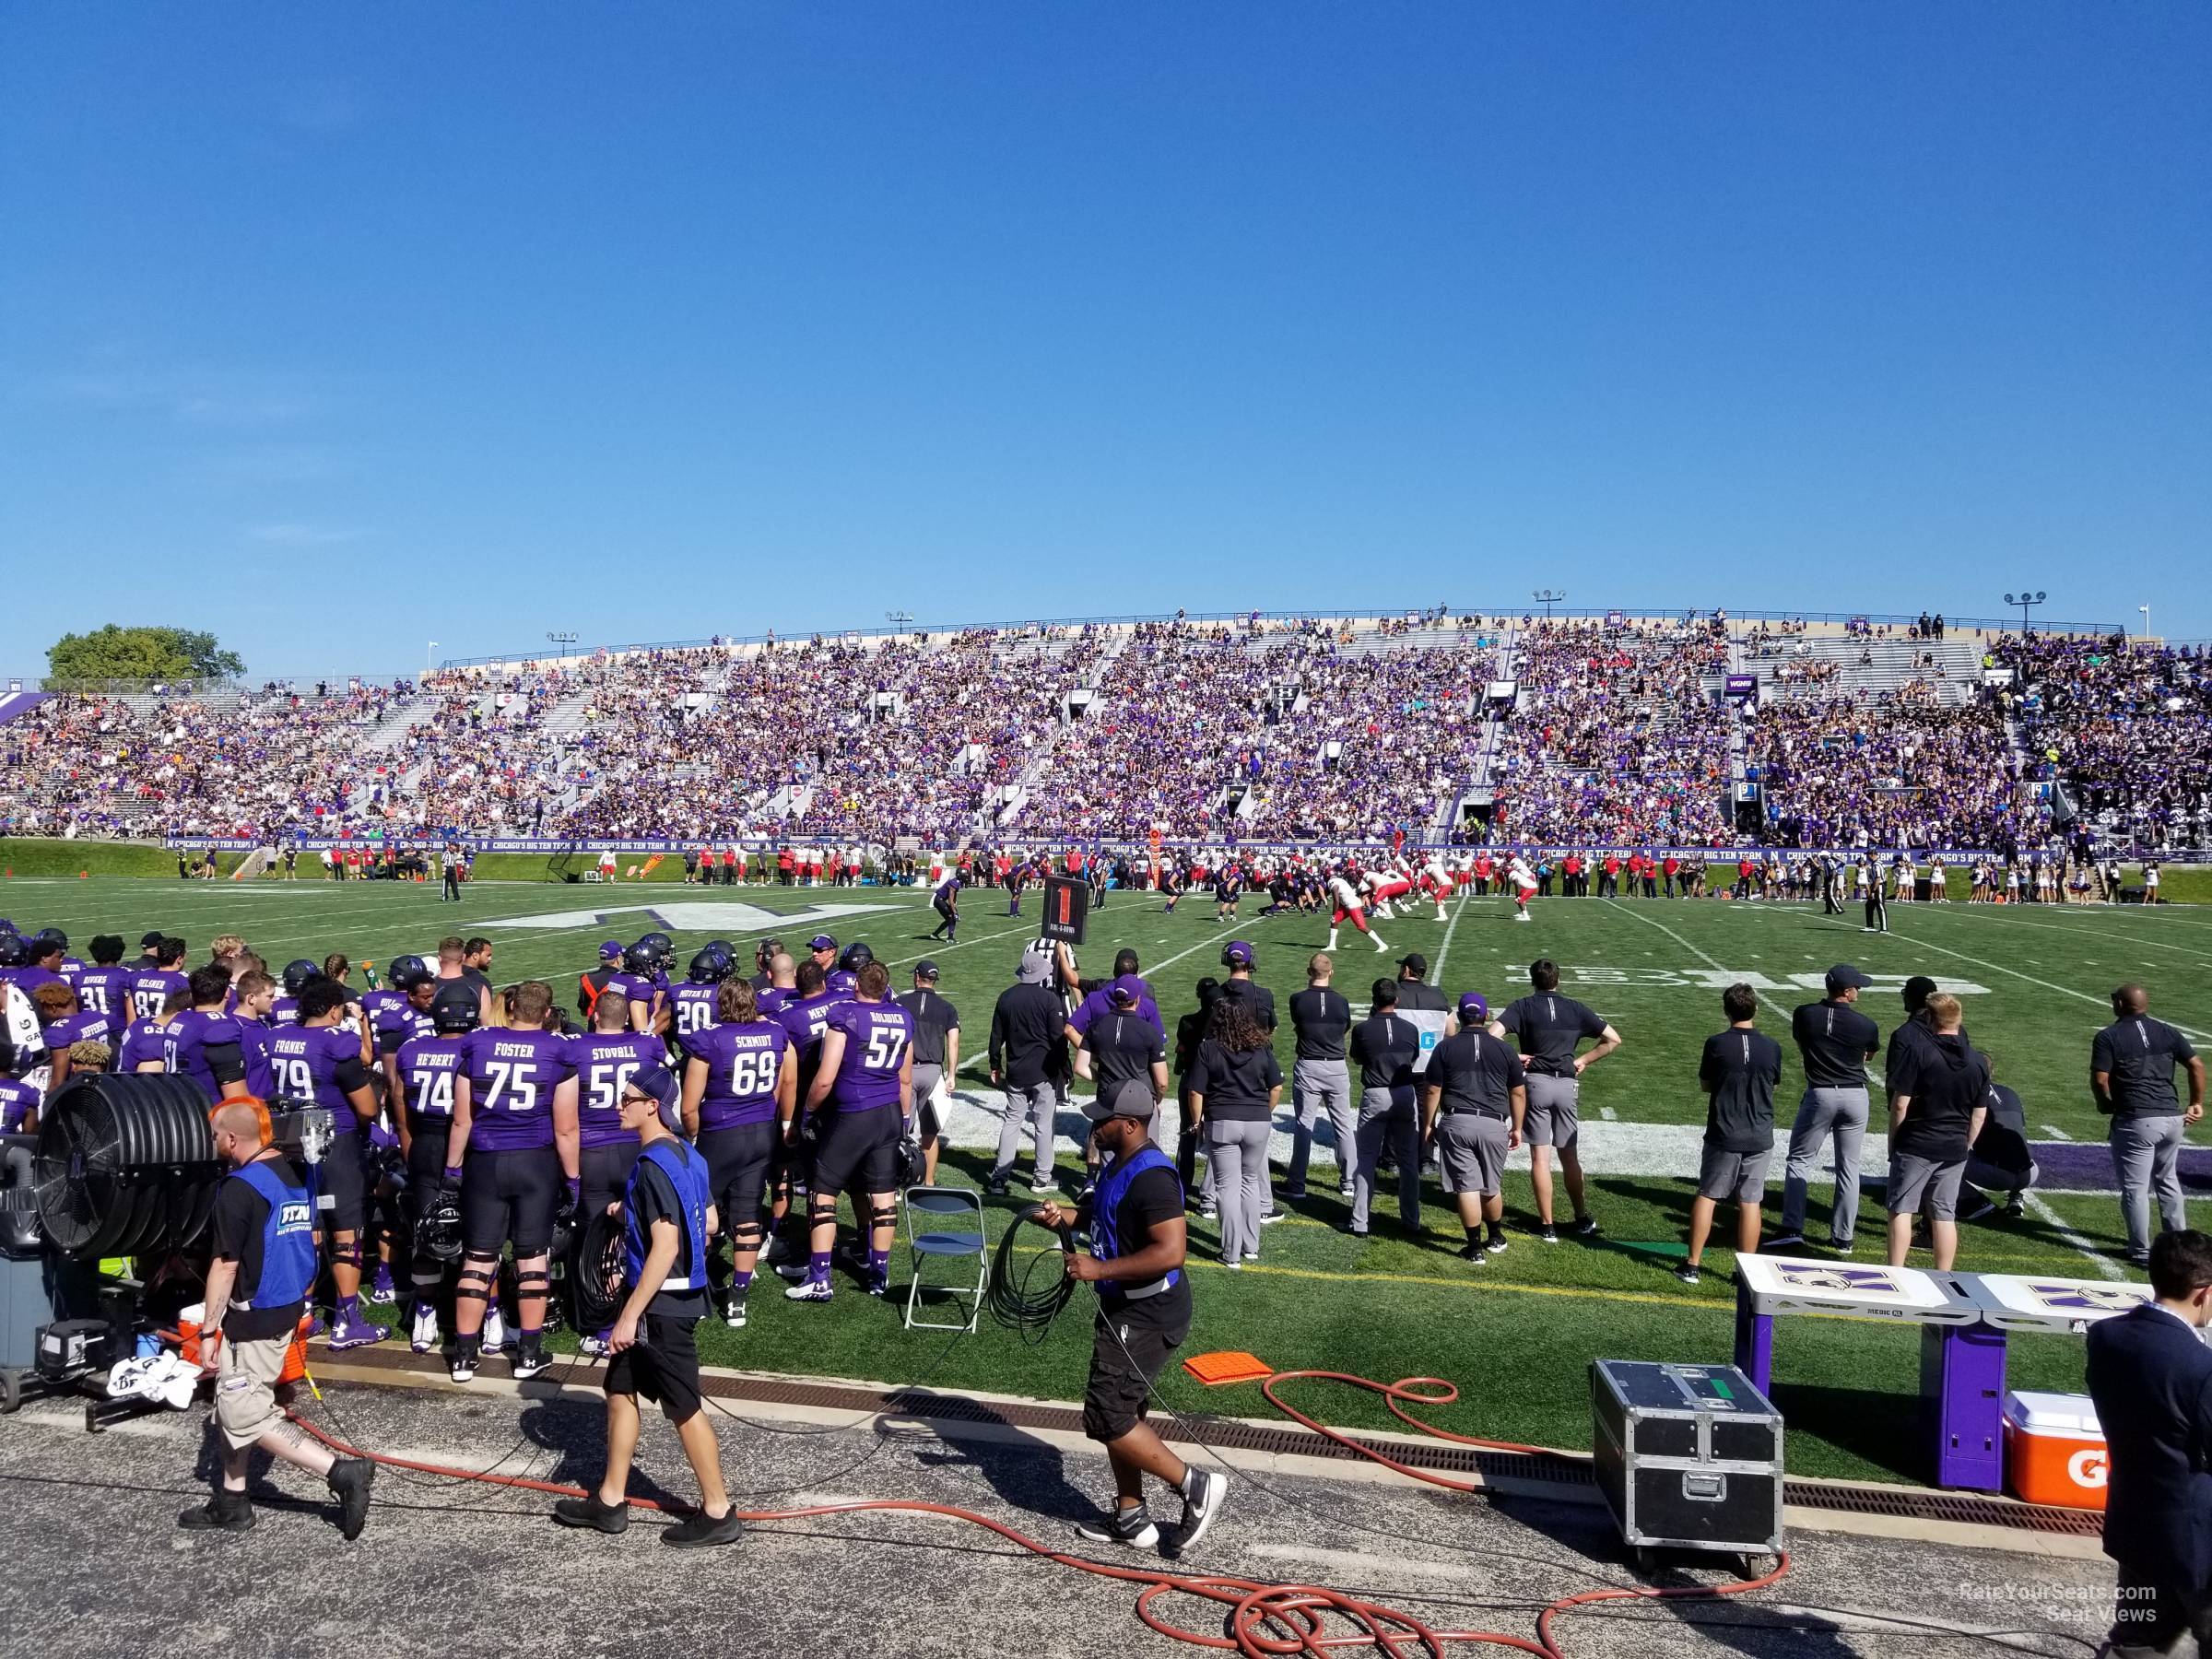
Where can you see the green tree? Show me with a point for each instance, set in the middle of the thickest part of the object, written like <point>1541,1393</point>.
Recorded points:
<point>139,653</point>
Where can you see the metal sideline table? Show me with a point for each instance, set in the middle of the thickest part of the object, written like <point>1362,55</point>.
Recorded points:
<point>1962,1359</point>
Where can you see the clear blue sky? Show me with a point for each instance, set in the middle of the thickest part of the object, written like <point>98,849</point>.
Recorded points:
<point>341,328</point>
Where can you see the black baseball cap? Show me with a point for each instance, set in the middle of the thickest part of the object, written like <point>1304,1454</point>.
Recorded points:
<point>925,969</point>
<point>152,940</point>
<point>1414,960</point>
<point>1132,1099</point>
<point>1844,977</point>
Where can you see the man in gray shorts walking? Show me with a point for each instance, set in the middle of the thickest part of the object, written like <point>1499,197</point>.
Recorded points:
<point>1738,1070</point>
<point>1937,1102</point>
<point>1474,1100</point>
<point>1549,1027</point>
<point>2131,1072</point>
<point>1835,1040</point>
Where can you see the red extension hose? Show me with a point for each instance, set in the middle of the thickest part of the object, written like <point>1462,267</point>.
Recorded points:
<point>1263,1621</point>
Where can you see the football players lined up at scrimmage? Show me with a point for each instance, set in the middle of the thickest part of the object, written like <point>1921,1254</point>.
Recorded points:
<point>475,1128</point>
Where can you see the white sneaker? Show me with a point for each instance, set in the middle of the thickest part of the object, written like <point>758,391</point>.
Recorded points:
<point>1332,942</point>
<point>424,1335</point>
<point>495,1331</point>
<point>1380,946</point>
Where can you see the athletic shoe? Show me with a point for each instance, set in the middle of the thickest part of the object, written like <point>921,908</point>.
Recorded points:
<point>588,1512</point>
<point>1207,1212</point>
<point>1779,1240</point>
<point>1344,1189</point>
<point>593,1346</point>
<point>316,1323</point>
<point>1980,1212</point>
<point>1496,1244</point>
<point>1585,1227</point>
<point>811,1290</point>
<point>1686,1273</point>
<point>1271,1217</point>
<point>223,1511</point>
<point>779,1249</point>
<point>1840,1246</point>
<point>732,1312</point>
<point>1521,917</point>
<point>1043,1182</point>
<point>1232,1263</point>
<point>1132,1527</point>
<point>2016,1205</point>
<point>699,1530</point>
<point>793,1271</point>
<point>1357,1232</point>
<point>1472,1251</point>
<point>879,1286</point>
<point>494,1338</point>
<point>380,1292</point>
<point>996,1186</point>
<point>349,1480</point>
<point>1251,1255</point>
<point>462,1367</point>
<point>1203,1494</point>
<point>424,1337</point>
<point>1292,1193</point>
<point>529,1362</point>
<point>1381,947</point>
<point>1547,1235</point>
<point>354,1331</point>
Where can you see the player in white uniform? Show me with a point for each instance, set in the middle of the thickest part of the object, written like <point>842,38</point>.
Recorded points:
<point>1524,882</point>
<point>1436,876</point>
<point>1346,901</point>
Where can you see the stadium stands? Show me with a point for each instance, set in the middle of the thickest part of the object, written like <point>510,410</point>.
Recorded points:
<point>1618,732</point>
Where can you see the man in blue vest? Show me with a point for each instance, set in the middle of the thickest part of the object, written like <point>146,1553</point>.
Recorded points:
<point>263,1225</point>
<point>1134,1230</point>
<point>668,1221</point>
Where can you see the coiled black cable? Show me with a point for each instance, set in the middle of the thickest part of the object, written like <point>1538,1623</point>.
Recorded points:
<point>596,1277</point>
<point>1013,1296</point>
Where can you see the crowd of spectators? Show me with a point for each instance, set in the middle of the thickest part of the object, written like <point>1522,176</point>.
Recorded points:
<point>1256,729</point>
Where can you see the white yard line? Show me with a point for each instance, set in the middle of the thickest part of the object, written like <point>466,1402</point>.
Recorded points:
<point>2087,933</point>
<point>2056,1133</point>
<point>1710,961</point>
<point>2102,1001</point>
<point>2106,1267</point>
<point>1436,975</point>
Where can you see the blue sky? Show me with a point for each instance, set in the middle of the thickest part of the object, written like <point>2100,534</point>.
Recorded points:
<point>340,329</point>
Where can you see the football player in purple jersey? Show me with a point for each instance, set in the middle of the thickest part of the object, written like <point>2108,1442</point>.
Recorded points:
<point>741,1091</point>
<point>635,985</point>
<point>62,1023</point>
<point>202,1042</point>
<point>253,992</point>
<point>141,1050</point>
<point>804,1019</point>
<point>105,987</point>
<point>778,986</point>
<point>427,1069</point>
<point>316,1061</point>
<point>691,1005</point>
<point>605,1059</point>
<point>19,1099</point>
<point>513,1150</point>
<point>862,1088</point>
<point>151,987</point>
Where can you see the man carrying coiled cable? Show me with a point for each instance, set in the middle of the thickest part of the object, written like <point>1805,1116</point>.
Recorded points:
<point>1137,1244</point>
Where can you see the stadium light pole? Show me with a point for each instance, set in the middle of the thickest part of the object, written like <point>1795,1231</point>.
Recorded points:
<point>2025,599</point>
<point>901,620</point>
<point>1547,597</point>
<point>2146,610</point>
<point>430,655</point>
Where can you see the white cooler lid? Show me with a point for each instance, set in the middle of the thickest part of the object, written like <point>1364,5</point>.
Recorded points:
<point>2052,1414</point>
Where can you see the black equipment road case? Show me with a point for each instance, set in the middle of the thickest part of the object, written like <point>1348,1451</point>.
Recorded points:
<point>1689,1456</point>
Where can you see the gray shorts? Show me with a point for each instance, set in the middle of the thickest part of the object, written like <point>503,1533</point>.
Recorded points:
<point>1911,1179</point>
<point>1738,1175</point>
<point>1553,1120</point>
<point>1471,1149</point>
<point>926,1126</point>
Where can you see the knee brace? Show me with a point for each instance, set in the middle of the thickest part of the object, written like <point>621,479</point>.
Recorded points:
<point>746,1235</point>
<point>345,1253</point>
<point>883,1214</point>
<point>532,1280</point>
<point>477,1275</point>
<point>821,1207</point>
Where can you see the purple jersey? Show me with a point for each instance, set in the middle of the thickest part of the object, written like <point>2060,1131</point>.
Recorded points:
<point>28,979</point>
<point>17,1101</point>
<point>841,984</point>
<point>604,1063</point>
<point>72,970</point>
<point>185,1042</point>
<point>428,1066</point>
<point>304,1061</point>
<point>742,1063</point>
<point>141,1042</point>
<point>86,1027</point>
<point>106,991</point>
<point>692,1010</point>
<point>773,1000</point>
<point>635,986</point>
<point>284,1011</point>
<point>377,1004</point>
<point>511,1076</point>
<point>804,1019</point>
<point>254,1049</point>
<point>151,987</point>
<point>877,1035</point>
<point>396,1023</point>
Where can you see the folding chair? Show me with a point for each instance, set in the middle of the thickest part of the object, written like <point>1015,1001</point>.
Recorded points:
<point>946,1203</point>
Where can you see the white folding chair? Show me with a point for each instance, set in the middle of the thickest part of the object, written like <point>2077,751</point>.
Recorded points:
<point>945,1207</point>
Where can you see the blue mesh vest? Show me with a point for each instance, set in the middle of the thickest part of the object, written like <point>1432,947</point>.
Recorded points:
<point>687,1173</point>
<point>1105,1230</point>
<point>287,1239</point>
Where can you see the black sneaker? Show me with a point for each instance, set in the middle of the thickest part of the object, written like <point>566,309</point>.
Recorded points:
<point>349,1480</point>
<point>1131,1527</point>
<point>530,1362</point>
<point>223,1511</point>
<point>1782,1240</point>
<point>1686,1273</point>
<point>1585,1227</point>
<point>1472,1251</point>
<point>1202,1493</point>
<point>1496,1244</point>
<point>462,1366</point>
<point>589,1513</point>
<point>1547,1235</point>
<point>699,1530</point>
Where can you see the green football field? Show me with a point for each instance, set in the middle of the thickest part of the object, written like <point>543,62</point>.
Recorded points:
<point>1515,1335</point>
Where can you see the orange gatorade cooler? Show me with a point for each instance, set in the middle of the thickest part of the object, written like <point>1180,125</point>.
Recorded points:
<point>190,1320</point>
<point>2053,1449</point>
